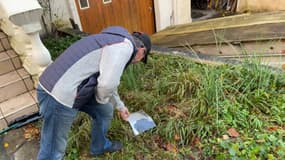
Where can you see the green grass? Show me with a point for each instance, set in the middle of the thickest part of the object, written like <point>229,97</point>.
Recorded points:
<point>193,106</point>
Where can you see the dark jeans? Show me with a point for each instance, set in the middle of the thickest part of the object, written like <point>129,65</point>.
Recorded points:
<point>57,121</point>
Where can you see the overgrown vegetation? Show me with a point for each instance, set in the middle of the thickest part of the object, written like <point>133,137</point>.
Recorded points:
<point>56,45</point>
<point>201,111</point>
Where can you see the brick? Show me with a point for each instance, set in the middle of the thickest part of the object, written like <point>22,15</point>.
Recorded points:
<point>6,44</point>
<point>1,47</point>
<point>11,53</point>
<point>4,56</point>
<point>6,64</point>
<point>23,73</point>
<point>9,78</point>
<point>2,35</point>
<point>11,85</point>
<point>29,83</point>
<point>15,59</point>
<point>34,95</point>
<point>26,78</point>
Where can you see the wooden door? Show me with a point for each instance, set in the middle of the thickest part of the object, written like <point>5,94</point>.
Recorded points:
<point>135,15</point>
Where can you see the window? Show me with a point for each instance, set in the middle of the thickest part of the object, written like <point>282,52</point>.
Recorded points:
<point>84,4</point>
<point>107,1</point>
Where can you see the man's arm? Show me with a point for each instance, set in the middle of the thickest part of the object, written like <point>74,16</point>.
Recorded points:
<point>124,112</point>
<point>113,61</point>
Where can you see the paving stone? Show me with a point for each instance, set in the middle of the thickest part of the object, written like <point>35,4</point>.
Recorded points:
<point>28,151</point>
<point>3,153</point>
<point>18,148</point>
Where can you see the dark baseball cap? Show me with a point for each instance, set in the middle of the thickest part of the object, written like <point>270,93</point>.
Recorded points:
<point>145,39</point>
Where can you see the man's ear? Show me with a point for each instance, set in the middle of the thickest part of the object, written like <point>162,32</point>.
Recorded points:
<point>139,55</point>
<point>141,52</point>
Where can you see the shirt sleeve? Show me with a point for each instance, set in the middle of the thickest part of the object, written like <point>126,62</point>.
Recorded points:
<point>113,61</point>
<point>116,100</point>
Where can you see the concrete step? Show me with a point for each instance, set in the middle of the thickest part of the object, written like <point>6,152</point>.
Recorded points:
<point>15,83</point>
<point>9,61</point>
<point>18,108</point>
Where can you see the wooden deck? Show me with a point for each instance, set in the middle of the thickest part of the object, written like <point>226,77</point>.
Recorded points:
<point>245,35</point>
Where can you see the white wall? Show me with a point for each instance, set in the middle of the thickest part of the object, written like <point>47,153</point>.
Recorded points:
<point>60,10</point>
<point>172,12</point>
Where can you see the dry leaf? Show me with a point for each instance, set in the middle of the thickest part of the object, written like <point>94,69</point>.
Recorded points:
<point>233,133</point>
<point>156,138</point>
<point>226,137</point>
<point>170,147</point>
<point>175,111</point>
<point>197,141</point>
<point>171,109</point>
<point>176,137</point>
<point>139,157</point>
<point>272,128</point>
<point>6,145</point>
<point>27,136</point>
<point>260,141</point>
<point>31,132</point>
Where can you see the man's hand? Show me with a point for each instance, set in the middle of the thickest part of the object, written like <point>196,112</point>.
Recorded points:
<point>124,113</point>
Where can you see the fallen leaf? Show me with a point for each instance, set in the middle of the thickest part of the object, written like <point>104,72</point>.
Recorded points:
<point>272,128</point>
<point>171,109</point>
<point>27,136</point>
<point>156,138</point>
<point>170,147</point>
<point>6,145</point>
<point>260,141</point>
<point>175,111</point>
<point>139,157</point>
<point>189,157</point>
<point>176,137</point>
<point>226,137</point>
<point>233,133</point>
<point>31,132</point>
<point>197,142</point>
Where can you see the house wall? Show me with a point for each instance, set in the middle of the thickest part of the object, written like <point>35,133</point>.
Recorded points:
<point>260,5</point>
<point>61,12</point>
<point>171,12</point>
<point>167,12</point>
